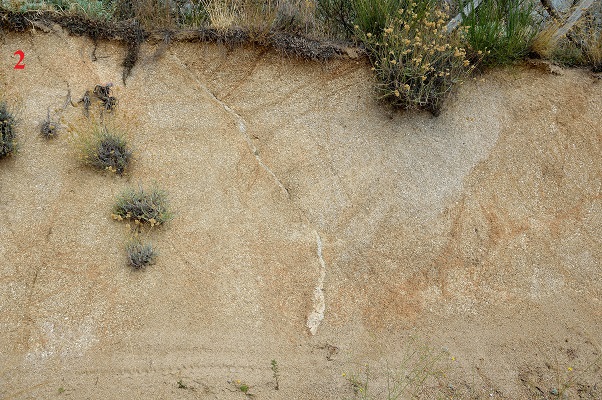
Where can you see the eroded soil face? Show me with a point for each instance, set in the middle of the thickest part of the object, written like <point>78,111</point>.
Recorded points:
<point>313,227</point>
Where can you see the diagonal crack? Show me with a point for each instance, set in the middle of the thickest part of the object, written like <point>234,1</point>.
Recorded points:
<point>319,304</point>
<point>242,127</point>
<point>317,315</point>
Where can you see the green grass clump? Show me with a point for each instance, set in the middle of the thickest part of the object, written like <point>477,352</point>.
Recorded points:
<point>502,30</point>
<point>140,254</point>
<point>373,15</point>
<point>8,142</point>
<point>142,206</point>
<point>105,149</point>
<point>341,16</point>
<point>415,60</point>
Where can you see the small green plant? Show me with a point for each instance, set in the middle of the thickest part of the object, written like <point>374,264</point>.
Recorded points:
<point>142,206</point>
<point>373,15</point>
<point>420,371</point>
<point>141,255</point>
<point>104,149</point>
<point>182,385</point>
<point>61,390</point>
<point>276,374</point>
<point>359,384</point>
<point>502,30</point>
<point>293,16</point>
<point>8,143</point>
<point>243,387</point>
<point>415,60</point>
<point>193,14</point>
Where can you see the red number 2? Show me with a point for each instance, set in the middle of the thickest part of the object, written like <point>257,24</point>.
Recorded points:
<point>21,55</point>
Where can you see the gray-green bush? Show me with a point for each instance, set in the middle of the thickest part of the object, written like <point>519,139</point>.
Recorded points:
<point>8,142</point>
<point>143,206</point>
<point>140,254</point>
<point>104,149</point>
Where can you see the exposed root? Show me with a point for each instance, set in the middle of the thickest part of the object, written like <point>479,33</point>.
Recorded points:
<point>132,34</point>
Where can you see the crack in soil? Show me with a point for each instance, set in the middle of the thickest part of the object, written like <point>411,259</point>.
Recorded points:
<point>319,305</point>
<point>242,127</point>
<point>317,315</point>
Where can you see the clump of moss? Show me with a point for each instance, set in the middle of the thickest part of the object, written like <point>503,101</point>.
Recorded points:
<point>105,149</point>
<point>8,142</point>
<point>142,206</point>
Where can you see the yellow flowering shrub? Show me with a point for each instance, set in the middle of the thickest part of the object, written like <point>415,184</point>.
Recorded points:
<point>416,60</point>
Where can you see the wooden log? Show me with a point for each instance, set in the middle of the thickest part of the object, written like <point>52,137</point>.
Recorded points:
<point>457,20</point>
<point>572,20</point>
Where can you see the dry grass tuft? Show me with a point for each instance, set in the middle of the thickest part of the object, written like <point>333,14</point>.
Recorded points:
<point>581,46</point>
<point>223,14</point>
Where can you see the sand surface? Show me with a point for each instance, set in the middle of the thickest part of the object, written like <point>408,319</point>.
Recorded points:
<point>313,227</point>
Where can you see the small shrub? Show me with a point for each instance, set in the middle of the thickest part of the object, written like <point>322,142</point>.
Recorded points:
<point>416,61</point>
<point>567,54</point>
<point>150,14</point>
<point>48,128</point>
<point>142,206</point>
<point>502,30</point>
<point>140,255</point>
<point>106,150</point>
<point>335,16</point>
<point>420,374</point>
<point>295,16</point>
<point>8,143</point>
<point>373,15</point>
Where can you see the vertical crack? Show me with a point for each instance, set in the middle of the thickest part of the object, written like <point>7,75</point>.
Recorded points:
<point>317,315</point>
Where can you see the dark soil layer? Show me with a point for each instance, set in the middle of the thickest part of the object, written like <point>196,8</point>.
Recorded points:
<point>132,35</point>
